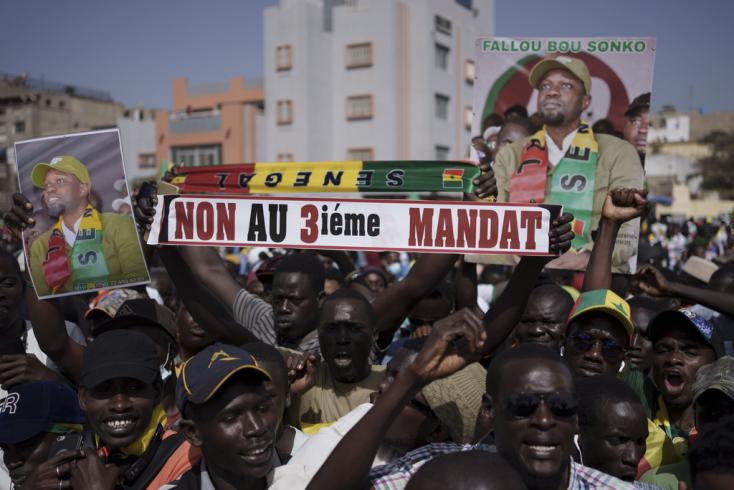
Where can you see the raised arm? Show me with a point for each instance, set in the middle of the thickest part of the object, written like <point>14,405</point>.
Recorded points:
<point>465,285</point>
<point>509,307</point>
<point>620,206</point>
<point>454,342</point>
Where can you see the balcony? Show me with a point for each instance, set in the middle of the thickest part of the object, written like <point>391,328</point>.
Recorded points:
<point>182,123</point>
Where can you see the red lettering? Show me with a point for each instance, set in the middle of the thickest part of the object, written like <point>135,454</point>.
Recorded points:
<point>184,220</point>
<point>421,227</point>
<point>225,220</point>
<point>467,232</point>
<point>310,231</point>
<point>530,220</point>
<point>487,229</point>
<point>205,220</point>
<point>510,239</point>
<point>445,232</point>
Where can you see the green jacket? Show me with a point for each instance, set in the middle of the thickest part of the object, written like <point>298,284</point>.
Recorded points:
<point>618,166</point>
<point>120,247</point>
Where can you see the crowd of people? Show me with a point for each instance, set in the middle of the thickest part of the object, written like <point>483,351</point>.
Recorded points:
<point>283,369</point>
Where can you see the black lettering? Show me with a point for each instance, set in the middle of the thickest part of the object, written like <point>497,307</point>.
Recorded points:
<point>257,231</point>
<point>273,179</point>
<point>302,179</point>
<point>529,161</point>
<point>394,178</point>
<point>373,224</point>
<point>354,224</point>
<point>87,258</point>
<point>278,214</point>
<point>364,177</point>
<point>244,179</point>
<point>569,182</point>
<point>222,179</point>
<point>335,223</point>
<point>88,234</point>
<point>329,177</point>
<point>578,153</point>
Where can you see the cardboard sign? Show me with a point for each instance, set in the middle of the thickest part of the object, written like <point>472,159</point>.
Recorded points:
<point>353,224</point>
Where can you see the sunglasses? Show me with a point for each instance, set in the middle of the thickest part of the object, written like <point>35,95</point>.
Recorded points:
<point>523,405</point>
<point>611,349</point>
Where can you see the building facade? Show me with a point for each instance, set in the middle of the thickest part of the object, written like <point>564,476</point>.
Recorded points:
<point>211,124</point>
<point>371,79</point>
<point>137,137</point>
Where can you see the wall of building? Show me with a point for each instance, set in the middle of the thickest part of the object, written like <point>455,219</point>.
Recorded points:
<point>137,136</point>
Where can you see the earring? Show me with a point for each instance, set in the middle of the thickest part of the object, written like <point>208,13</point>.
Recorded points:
<point>621,367</point>
<point>578,448</point>
<point>561,351</point>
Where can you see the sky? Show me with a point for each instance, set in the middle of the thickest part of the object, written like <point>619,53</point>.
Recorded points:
<point>134,49</point>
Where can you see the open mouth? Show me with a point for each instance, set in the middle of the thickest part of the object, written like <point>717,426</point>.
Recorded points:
<point>589,370</point>
<point>121,425</point>
<point>257,456</point>
<point>541,450</point>
<point>674,382</point>
<point>343,359</point>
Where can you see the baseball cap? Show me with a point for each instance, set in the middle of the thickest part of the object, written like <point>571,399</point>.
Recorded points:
<point>108,302</point>
<point>639,102</point>
<point>141,312</point>
<point>606,301</point>
<point>718,375</point>
<point>120,354</point>
<point>574,65</point>
<point>32,408</point>
<point>685,316</point>
<point>66,164</point>
<point>202,375</point>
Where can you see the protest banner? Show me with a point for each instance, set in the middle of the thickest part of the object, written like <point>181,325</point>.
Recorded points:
<point>353,224</point>
<point>348,176</point>
<point>616,77</point>
<point>84,237</point>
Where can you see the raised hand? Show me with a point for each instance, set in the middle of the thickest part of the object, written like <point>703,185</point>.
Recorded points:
<point>18,369</point>
<point>91,473</point>
<point>625,204</point>
<point>144,206</point>
<point>20,215</point>
<point>561,234</point>
<point>455,341</point>
<point>653,282</point>
<point>302,371</point>
<point>52,474</point>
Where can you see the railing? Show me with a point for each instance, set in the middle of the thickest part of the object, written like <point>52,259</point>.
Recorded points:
<point>55,87</point>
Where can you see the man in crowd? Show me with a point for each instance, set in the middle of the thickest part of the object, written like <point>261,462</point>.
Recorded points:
<point>712,465</point>
<point>470,470</point>
<point>637,124</point>
<point>36,418</point>
<point>565,163</point>
<point>613,426</point>
<point>120,392</point>
<point>231,415</point>
<point>85,249</point>
<point>544,319</point>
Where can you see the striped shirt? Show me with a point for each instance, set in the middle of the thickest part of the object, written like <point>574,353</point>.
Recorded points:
<point>395,475</point>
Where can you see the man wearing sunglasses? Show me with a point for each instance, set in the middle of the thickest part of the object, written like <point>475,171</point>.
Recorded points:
<point>599,332</point>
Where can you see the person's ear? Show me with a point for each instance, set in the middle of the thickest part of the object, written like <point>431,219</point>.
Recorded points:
<point>191,432</point>
<point>83,398</point>
<point>320,298</point>
<point>585,102</point>
<point>288,400</point>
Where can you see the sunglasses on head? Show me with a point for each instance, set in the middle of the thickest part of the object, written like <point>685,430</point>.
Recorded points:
<point>523,405</point>
<point>611,349</point>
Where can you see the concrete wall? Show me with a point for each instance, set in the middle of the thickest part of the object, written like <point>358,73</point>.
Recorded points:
<point>137,137</point>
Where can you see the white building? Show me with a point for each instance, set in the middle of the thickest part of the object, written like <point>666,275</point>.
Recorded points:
<point>137,135</point>
<point>669,127</point>
<point>371,79</point>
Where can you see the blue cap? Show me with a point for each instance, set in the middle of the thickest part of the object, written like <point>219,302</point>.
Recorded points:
<point>202,375</point>
<point>684,316</point>
<point>32,408</point>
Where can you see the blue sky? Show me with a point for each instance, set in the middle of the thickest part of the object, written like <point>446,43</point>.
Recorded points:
<point>134,49</point>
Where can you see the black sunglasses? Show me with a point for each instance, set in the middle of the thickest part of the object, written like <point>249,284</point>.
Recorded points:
<point>523,405</point>
<point>611,349</point>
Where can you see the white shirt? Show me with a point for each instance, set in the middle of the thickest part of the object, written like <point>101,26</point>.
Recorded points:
<point>70,235</point>
<point>555,154</point>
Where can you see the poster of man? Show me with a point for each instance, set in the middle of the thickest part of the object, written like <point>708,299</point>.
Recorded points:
<point>568,119</point>
<point>79,240</point>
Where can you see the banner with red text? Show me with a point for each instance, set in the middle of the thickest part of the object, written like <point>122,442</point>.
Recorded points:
<point>354,224</point>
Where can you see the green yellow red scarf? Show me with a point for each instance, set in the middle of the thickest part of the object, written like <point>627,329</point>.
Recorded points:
<point>88,267</point>
<point>572,183</point>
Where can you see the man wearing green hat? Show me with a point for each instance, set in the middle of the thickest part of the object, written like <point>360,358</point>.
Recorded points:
<point>566,163</point>
<point>84,249</point>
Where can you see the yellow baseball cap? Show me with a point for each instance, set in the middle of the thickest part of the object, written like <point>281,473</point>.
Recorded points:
<point>66,164</point>
<point>574,65</point>
<point>604,300</point>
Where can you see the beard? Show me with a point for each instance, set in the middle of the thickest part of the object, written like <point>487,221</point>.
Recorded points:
<point>552,118</point>
<point>55,210</point>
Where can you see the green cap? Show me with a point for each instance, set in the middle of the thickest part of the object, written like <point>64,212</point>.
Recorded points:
<point>606,301</point>
<point>574,65</point>
<point>66,164</point>
<point>718,375</point>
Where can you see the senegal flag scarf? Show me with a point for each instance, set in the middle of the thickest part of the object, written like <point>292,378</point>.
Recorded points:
<point>572,183</point>
<point>88,266</point>
<point>350,176</point>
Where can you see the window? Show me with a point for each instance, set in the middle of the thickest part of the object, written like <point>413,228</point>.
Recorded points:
<point>442,24</point>
<point>146,160</point>
<point>469,71</point>
<point>19,127</point>
<point>194,156</point>
<point>442,57</point>
<point>284,157</point>
<point>442,106</point>
<point>359,55</point>
<point>359,107</point>
<point>465,3</point>
<point>468,117</point>
<point>442,152</point>
<point>284,111</point>
<point>283,58</point>
<point>360,154</point>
